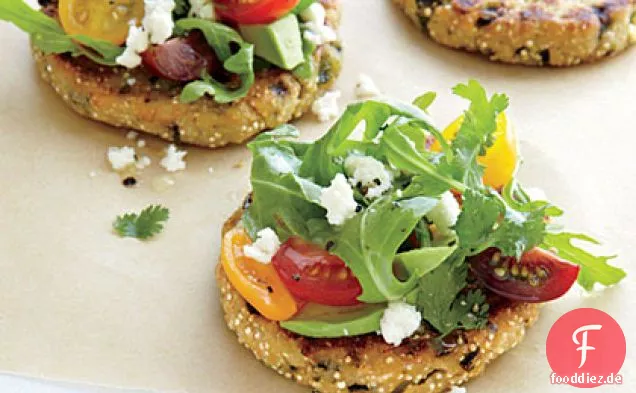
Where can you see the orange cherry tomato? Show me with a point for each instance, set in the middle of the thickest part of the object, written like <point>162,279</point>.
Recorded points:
<point>257,282</point>
<point>500,159</point>
<point>107,20</point>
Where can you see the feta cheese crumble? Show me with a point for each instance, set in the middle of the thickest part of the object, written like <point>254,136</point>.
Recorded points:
<point>338,200</point>
<point>173,160</point>
<point>136,43</point>
<point>265,246</point>
<point>457,389</point>
<point>157,26</point>
<point>121,157</point>
<point>366,88</point>
<point>326,107</point>
<point>444,214</point>
<point>369,173</point>
<point>202,9</point>
<point>316,31</point>
<point>399,321</point>
<point>157,20</point>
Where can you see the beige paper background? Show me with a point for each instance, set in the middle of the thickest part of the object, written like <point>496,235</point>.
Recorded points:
<point>78,303</point>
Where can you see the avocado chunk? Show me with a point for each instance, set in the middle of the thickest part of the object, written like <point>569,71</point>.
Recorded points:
<point>327,322</point>
<point>280,42</point>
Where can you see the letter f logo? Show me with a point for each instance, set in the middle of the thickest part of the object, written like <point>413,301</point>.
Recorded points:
<point>583,344</point>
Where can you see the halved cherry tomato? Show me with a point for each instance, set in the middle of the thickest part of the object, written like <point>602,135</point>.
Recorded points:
<point>253,12</point>
<point>312,274</point>
<point>181,59</point>
<point>106,20</point>
<point>538,277</point>
<point>500,159</point>
<point>257,282</point>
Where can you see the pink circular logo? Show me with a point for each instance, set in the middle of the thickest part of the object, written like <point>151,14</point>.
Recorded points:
<point>586,348</point>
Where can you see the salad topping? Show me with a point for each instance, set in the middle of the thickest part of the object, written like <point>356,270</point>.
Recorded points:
<point>441,241</point>
<point>180,40</point>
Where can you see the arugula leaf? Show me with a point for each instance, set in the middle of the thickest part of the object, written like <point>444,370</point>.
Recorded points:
<point>441,304</point>
<point>49,36</point>
<point>425,100</point>
<point>594,269</point>
<point>143,225</point>
<point>281,199</point>
<point>369,241</point>
<point>221,38</point>
<point>324,157</point>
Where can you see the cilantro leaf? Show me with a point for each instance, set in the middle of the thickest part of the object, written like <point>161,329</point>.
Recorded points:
<point>475,134</point>
<point>221,38</point>
<point>143,225</point>
<point>487,221</point>
<point>441,303</point>
<point>594,269</point>
<point>425,100</point>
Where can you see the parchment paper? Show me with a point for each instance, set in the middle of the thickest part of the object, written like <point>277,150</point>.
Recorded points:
<point>78,303</point>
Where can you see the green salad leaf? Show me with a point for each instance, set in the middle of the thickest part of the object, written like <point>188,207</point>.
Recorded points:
<point>443,305</point>
<point>221,38</point>
<point>594,269</point>
<point>49,36</point>
<point>143,225</point>
<point>389,244</point>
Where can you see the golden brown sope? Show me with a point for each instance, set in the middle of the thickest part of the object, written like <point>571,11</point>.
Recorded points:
<point>198,72</point>
<point>537,33</point>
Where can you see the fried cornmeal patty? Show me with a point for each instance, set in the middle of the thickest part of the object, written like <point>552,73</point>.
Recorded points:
<point>367,363</point>
<point>529,32</point>
<point>136,100</point>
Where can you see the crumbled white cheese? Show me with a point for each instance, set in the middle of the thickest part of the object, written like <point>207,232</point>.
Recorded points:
<point>143,162</point>
<point>157,20</point>
<point>202,9</point>
<point>121,157</point>
<point>319,34</point>
<point>444,214</point>
<point>338,200</point>
<point>136,43</point>
<point>366,88</point>
<point>326,107</point>
<point>457,389</point>
<point>316,30</point>
<point>132,135</point>
<point>265,246</point>
<point>399,321</point>
<point>314,13</point>
<point>369,173</point>
<point>173,160</point>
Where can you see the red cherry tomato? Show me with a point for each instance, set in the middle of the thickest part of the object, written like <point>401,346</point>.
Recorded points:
<point>253,12</point>
<point>181,59</point>
<point>539,276</point>
<point>312,274</point>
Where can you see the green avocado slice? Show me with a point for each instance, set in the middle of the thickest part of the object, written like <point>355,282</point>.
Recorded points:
<point>279,42</point>
<point>320,321</point>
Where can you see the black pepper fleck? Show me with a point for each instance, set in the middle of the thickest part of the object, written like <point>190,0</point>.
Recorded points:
<point>129,181</point>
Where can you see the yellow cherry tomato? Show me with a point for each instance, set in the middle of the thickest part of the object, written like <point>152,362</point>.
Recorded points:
<point>105,20</point>
<point>500,159</point>
<point>257,282</point>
